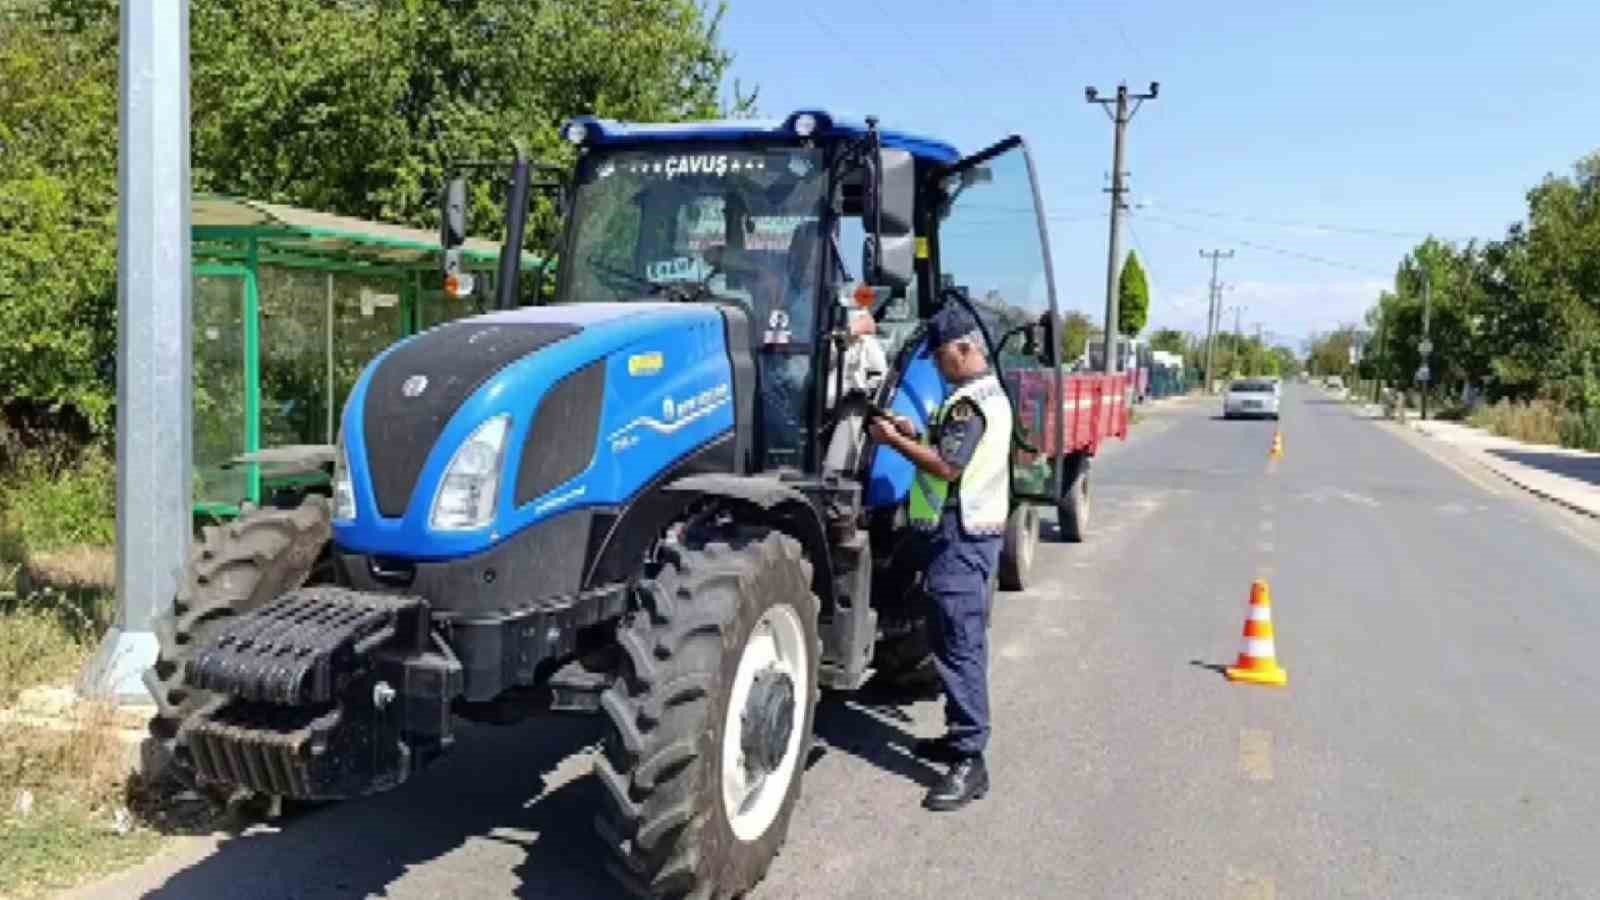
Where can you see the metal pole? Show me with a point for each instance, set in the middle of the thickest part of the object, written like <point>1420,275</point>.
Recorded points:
<point>1427,345</point>
<point>154,341</point>
<point>1238,337</point>
<point>331,432</point>
<point>1211,310</point>
<point>1122,115</point>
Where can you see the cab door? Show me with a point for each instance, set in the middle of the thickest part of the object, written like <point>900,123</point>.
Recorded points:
<point>990,241</point>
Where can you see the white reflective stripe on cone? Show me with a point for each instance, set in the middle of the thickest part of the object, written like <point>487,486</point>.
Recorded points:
<point>1259,648</point>
<point>1260,614</point>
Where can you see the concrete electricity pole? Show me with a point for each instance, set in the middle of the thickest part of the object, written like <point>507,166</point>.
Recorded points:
<point>1122,115</point>
<point>1211,309</point>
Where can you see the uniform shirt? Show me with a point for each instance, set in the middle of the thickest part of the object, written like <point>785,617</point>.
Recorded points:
<point>959,434</point>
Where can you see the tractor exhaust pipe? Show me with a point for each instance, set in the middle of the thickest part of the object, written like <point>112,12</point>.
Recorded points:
<point>508,287</point>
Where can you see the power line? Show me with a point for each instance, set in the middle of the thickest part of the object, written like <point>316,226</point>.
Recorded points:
<point>1318,226</point>
<point>1256,245</point>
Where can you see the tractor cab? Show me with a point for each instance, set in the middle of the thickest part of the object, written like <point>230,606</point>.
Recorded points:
<point>802,223</point>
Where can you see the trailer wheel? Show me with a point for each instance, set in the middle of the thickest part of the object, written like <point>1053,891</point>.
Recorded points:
<point>233,569</point>
<point>1016,552</point>
<point>1073,510</point>
<point>710,724</point>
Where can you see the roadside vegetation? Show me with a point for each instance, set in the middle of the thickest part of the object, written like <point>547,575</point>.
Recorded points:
<point>357,116</point>
<point>1514,322</point>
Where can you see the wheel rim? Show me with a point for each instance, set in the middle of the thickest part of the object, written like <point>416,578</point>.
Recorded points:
<point>1083,499</point>
<point>1030,528</point>
<point>761,733</point>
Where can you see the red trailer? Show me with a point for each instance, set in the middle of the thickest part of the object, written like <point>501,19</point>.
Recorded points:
<point>1091,408</point>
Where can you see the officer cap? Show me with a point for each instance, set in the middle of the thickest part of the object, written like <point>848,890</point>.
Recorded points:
<point>951,322</point>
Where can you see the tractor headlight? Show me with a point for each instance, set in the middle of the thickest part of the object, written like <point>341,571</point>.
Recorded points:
<point>344,492</point>
<point>467,494</point>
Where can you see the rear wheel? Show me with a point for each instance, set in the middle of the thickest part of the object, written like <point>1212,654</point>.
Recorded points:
<point>234,569</point>
<point>1072,512</point>
<point>710,723</point>
<point>1016,552</point>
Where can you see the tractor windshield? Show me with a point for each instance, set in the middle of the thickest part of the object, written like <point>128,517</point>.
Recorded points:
<point>734,223</point>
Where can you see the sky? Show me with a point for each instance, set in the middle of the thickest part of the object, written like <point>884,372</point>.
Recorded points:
<point>1319,141</point>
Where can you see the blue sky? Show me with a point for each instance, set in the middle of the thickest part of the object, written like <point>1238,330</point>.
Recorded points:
<point>1359,116</point>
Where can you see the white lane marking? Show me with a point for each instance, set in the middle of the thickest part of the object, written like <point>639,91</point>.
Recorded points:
<point>1255,754</point>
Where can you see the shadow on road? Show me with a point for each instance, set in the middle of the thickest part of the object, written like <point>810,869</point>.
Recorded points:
<point>864,727</point>
<point>525,788</point>
<point>496,786</point>
<point>1218,668</point>
<point>1585,469</point>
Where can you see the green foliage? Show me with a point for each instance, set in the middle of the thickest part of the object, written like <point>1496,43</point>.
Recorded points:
<point>1075,330</point>
<point>353,107</point>
<point>58,212</point>
<point>1169,340</point>
<point>1133,297</point>
<point>1518,317</point>
<point>46,510</point>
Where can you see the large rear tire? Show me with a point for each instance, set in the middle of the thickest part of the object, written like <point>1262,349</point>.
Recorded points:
<point>1016,552</point>
<point>1073,510</point>
<point>233,569</point>
<point>710,723</point>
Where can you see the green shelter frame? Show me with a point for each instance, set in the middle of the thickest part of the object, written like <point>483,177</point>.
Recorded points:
<point>289,305</point>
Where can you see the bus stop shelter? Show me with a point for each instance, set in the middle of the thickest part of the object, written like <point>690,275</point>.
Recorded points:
<point>289,305</point>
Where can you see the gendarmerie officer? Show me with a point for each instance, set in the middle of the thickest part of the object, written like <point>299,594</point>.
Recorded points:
<point>959,502</point>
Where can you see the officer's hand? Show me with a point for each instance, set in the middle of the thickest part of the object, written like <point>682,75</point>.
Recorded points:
<point>862,325</point>
<point>905,426</point>
<point>883,431</point>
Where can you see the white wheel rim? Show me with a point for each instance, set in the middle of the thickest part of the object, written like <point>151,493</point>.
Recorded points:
<point>777,643</point>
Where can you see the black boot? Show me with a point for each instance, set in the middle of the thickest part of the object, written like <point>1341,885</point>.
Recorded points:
<point>967,780</point>
<point>937,750</point>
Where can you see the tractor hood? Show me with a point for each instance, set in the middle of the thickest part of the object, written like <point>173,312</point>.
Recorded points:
<point>566,376</point>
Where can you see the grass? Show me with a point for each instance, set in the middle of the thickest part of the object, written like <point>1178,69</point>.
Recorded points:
<point>65,791</point>
<point>1538,422</point>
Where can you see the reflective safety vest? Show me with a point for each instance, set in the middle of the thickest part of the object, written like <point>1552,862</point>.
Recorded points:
<point>983,493</point>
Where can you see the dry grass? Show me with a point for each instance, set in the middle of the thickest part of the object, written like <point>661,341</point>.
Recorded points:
<point>66,794</point>
<point>1538,422</point>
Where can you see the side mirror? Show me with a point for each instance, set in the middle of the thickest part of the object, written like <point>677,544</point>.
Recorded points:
<point>453,214</point>
<point>888,215</point>
<point>1049,346</point>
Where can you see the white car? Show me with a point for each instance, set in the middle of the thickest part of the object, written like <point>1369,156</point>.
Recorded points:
<point>1251,398</point>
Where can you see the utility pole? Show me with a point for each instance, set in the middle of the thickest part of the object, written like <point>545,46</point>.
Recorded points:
<point>1377,358</point>
<point>1423,374</point>
<point>1238,336</point>
<point>154,345</point>
<point>1211,309</point>
<point>1121,117</point>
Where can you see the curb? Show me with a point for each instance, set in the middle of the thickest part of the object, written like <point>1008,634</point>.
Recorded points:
<point>1516,482</point>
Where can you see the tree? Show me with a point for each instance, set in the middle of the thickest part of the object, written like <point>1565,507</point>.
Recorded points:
<point>352,107</point>
<point>1133,297</point>
<point>1075,330</point>
<point>1169,340</point>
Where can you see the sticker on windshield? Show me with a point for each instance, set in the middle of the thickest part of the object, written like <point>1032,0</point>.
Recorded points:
<point>678,268</point>
<point>714,164</point>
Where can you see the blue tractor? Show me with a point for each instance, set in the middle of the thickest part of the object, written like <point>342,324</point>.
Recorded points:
<point>649,500</point>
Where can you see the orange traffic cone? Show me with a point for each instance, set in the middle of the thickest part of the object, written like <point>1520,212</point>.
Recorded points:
<point>1277,445</point>
<point>1258,660</point>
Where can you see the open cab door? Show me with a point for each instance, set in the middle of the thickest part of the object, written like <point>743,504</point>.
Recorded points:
<point>992,245</point>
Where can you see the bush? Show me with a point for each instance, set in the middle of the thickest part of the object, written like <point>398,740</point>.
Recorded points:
<point>45,511</point>
<point>1540,422</point>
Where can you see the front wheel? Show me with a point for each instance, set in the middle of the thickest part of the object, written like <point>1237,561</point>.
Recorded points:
<point>1016,551</point>
<point>710,723</point>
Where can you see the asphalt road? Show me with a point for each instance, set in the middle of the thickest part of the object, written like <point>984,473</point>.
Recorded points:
<point>1438,736</point>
